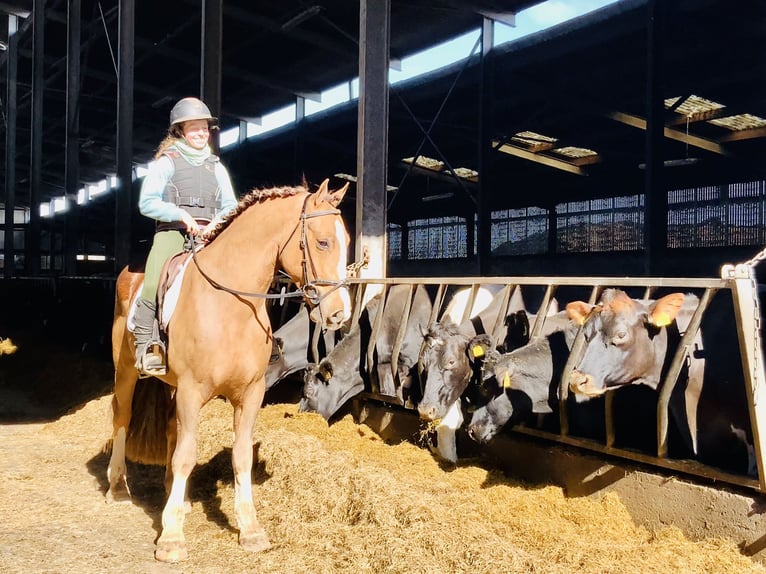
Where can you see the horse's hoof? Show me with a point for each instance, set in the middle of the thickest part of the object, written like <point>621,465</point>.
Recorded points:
<point>117,495</point>
<point>173,551</point>
<point>255,542</point>
<point>187,507</point>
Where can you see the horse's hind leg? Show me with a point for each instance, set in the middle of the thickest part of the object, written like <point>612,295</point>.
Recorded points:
<point>252,536</point>
<point>124,384</point>
<point>171,545</point>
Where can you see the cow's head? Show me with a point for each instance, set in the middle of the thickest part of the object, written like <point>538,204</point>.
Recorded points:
<point>528,369</point>
<point>444,364</point>
<point>625,341</point>
<point>322,393</point>
<point>487,421</point>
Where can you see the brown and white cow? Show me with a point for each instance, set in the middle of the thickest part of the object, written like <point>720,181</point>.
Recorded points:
<point>631,342</point>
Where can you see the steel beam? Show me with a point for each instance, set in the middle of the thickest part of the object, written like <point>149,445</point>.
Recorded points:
<point>72,164</point>
<point>124,193</point>
<point>32,259</point>
<point>655,194</point>
<point>372,135</point>
<point>10,145</point>
<point>210,72</point>
<point>486,93</point>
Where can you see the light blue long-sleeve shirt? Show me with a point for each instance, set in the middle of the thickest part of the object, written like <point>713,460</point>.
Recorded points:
<point>151,201</point>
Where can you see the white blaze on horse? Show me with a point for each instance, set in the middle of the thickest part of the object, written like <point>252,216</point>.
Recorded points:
<point>219,342</point>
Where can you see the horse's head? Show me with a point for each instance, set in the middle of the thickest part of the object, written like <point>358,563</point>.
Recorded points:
<point>322,257</point>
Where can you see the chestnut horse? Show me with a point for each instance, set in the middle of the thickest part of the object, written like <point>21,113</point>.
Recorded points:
<point>220,342</point>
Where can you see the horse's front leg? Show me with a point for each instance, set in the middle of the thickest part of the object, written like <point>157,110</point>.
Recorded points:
<point>252,536</point>
<point>171,545</point>
<point>125,378</point>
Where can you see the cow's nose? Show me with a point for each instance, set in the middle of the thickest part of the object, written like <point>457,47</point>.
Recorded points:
<point>577,381</point>
<point>427,413</point>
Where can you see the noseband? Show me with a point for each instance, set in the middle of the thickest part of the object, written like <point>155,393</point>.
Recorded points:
<point>310,289</point>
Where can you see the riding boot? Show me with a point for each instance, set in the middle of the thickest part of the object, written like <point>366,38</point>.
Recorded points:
<point>150,350</point>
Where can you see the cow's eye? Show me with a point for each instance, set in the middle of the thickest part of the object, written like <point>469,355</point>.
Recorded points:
<point>323,244</point>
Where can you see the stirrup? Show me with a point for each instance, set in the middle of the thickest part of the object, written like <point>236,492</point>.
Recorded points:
<point>152,370</point>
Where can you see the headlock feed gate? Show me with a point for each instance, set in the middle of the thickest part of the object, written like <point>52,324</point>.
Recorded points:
<point>614,423</point>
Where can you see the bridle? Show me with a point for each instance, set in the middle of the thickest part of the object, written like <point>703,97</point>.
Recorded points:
<point>310,288</point>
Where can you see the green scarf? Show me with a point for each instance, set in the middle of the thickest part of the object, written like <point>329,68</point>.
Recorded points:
<point>192,155</point>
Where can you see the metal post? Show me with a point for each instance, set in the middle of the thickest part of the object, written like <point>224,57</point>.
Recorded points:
<point>10,145</point>
<point>485,147</point>
<point>124,194</point>
<point>210,72</point>
<point>372,135</point>
<point>656,197</point>
<point>748,315</point>
<point>32,264</point>
<point>72,168</point>
<point>298,135</point>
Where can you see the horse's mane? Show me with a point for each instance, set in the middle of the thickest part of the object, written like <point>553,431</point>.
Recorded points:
<point>253,197</point>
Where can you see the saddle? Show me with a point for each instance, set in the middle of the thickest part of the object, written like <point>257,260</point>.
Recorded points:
<point>170,272</point>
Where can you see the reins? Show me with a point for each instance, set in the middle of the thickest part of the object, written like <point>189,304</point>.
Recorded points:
<point>310,289</point>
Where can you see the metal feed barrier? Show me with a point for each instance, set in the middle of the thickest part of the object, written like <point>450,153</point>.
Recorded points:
<point>738,279</point>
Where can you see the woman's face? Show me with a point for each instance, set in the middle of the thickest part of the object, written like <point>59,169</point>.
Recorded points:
<point>196,133</point>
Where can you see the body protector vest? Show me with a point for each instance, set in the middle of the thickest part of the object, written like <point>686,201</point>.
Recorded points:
<point>193,188</point>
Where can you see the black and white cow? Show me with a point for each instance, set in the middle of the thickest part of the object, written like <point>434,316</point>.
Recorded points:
<point>343,373</point>
<point>444,359</point>
<point>527,378</point>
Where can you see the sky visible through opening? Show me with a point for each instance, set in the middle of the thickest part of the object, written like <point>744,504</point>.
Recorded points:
<point>530,21</point>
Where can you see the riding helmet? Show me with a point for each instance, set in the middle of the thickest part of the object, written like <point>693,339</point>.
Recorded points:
<point>188,109</point>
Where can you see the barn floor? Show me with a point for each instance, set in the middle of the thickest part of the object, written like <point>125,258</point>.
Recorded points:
<point>332,499</point>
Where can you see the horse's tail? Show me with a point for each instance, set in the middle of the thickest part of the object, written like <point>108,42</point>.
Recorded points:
<point>153,405</point>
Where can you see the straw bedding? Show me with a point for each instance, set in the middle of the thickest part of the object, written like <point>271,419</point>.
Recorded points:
<point>332,499</point>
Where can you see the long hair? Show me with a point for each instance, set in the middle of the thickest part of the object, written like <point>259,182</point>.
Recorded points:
<point>175,132</point>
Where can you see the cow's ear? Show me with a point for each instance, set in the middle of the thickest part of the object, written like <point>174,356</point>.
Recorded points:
<point>664,311</point>
<point>324,371</point>
<point>478,347</point>
<point>578,311</point>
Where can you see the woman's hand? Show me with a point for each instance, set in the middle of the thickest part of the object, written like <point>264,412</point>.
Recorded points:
<point>192,228</point>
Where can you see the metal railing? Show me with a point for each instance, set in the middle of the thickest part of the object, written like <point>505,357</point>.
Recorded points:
<point>738,279</point>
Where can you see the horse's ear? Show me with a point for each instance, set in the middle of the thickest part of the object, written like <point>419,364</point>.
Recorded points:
<point>322,193</point>
<point>332,197</point>
<point>337,196</point>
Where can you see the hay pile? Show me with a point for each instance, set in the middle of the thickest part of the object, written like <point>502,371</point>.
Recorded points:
<point>339,499</point>
<point>333,500</point>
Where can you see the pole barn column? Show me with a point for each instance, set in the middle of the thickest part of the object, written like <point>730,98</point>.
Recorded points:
<point>36,145</point>
<point>210,72</point>
<point>10,145</point>
<point>656,196</point>
<point>486,98</point>
<point>72,168</point>
<point>123,212</point>
<point>372,135</point>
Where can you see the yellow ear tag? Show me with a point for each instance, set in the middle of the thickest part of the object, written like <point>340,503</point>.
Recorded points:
<point>661,319</point>
<point>478,351</point>
<point>506,381</point>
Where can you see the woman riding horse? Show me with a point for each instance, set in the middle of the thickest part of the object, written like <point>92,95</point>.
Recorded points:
<point>220,341</point>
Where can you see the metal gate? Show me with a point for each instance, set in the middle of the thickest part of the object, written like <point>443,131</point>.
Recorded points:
<point>738,279</point>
